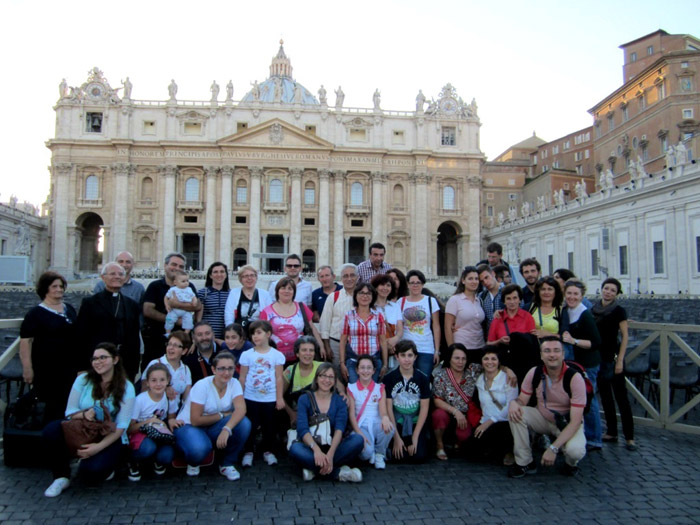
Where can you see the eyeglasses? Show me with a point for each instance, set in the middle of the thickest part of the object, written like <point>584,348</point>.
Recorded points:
<point>293,265</point>
<point>330,377</point>
<point>348,276</point>
<point>175,345</point>
<point>224,368</point>
<point>414,283</point>
<point>101,358</point>
<point>364,293</point>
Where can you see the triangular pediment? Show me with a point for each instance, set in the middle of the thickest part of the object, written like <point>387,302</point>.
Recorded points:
<point>275,133</point>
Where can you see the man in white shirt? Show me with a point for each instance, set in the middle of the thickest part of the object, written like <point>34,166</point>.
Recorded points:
<point>292,269</point>
<point>337,305</point>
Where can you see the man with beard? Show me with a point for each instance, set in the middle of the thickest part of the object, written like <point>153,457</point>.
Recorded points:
<point>530,270</point>
<point>205,347</point>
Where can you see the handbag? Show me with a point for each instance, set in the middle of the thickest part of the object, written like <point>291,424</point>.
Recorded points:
<point>319,424</point>
<point>307,326</point>
<point>160,433</point>
<point>473,411</point>
<point>79,432</point>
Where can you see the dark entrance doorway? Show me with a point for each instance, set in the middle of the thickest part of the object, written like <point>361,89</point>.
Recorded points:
<point>447,257</point>
<point>240,258</point>
<point>356,250</point>
<point>91,232</point>
<point>275,244</point>
<point>309,261</point>
<point>190,249</point>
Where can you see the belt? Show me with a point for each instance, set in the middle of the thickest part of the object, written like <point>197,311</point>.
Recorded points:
<point>334,339</point>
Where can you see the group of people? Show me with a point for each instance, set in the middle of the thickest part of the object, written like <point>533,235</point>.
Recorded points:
<point>389,374</point>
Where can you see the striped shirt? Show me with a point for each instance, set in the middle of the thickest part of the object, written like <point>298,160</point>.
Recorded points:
<point>363,335</point>
<point>213,303</point>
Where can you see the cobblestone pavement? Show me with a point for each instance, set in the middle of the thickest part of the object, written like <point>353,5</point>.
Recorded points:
<point>656,484</point>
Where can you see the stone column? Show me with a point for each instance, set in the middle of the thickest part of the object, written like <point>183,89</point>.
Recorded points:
<point>264,263</point>
<point>295,211</point>
<point>421,214</point>
<point>225,221</point>
<point>472,209</point>
<point>121,208</point>
<point>209,217</point>
<point>256,173</point>
<point>202,240</point>
<point>285,245</point>
<point>378,207</point>
<point>62,243</point>
<point>324,199</point>
<point>338,219</point>
<point>168,237</point>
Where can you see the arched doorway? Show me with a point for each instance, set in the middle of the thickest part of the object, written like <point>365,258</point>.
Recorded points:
<point>240,258</point>
<point>309,261</point>
<point>447,254</point>
<point>90,242</point>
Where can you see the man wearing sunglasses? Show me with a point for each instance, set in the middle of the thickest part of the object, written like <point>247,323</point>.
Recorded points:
<point>292,269</point>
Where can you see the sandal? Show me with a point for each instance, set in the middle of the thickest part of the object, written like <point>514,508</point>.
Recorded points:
<point>440,454</point>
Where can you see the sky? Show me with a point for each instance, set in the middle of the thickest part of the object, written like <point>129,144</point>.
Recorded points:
<point>530,66</point>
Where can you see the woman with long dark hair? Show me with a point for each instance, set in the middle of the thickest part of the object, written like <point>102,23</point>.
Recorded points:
<point>105,384</point>
<point>546,307</point>
<point>213,298</point>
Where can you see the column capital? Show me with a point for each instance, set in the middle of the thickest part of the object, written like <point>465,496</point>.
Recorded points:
<point>324,174</point>
<point>339,175</point>
<point>474,181</point>
<point>255,171</point>
<point>63,168</point>
<point>123,168</point>
<point>169,171</point>
<point>227,171</point>
<point>296,173</point>
<point>211,171</point>
<point>379,176</point>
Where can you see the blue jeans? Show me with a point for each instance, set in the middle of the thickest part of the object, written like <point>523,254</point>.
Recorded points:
<point>94,469</point>
<point>592,426</point>
<point>349,448</point>
<point>197,442</point>
<point>162,454</point>
<point>351,363</point>
<point>424,363</point>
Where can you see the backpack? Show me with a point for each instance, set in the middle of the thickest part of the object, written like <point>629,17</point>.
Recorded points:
<point>572,368</point>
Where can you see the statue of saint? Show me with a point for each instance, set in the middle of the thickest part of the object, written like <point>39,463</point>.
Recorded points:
<point>298,93</point>
<point>127,88</point>
<point>62,89</point>
<point>420,101</point>
<point>229,91</point>
<point>322,95</point>
<point>256,91</point>
<point>376,98</point>
<point>172,89</point>
<point>339,97</point>
<point>214,91</point>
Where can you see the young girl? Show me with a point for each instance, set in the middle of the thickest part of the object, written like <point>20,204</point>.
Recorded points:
<point>261,377</point>
<point>236,343</point>
<point>151,407</point>
<point>181,377</point>
<point>367,410</point>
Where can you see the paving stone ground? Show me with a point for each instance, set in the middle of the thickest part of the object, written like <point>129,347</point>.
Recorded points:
<point>657,484</point>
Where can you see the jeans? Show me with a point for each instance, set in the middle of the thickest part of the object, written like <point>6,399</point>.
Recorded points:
<point>348,449</point>
<point>592,426</point>
<point>94,469</point>
<point>379,441</point>
<point>162,453</point>
<point>424,363</point>
<point>351,364</point>
<point>610,383</point>
<point>197,442</point>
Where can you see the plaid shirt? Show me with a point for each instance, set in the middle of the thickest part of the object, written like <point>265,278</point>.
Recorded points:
<point>363,336</point>
<point>366,271</point>
<point>491,305</point>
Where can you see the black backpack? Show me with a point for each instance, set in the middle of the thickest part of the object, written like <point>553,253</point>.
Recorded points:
<point>572,368</point>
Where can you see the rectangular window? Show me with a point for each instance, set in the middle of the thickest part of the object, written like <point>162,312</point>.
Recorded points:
<point>241,126</point>
<point>4,246</point>
<point>570,260</point>
<point>594,262</point>
<point>489,212</point>
<point>93,122</point>
<point>650,50</point>
<point>309,221</point>
<point>579,169</point>
<point>398,137</point>
<point>449,136</point>
<point>567,144</point>
<point>358,135</point>
<point>190,218</point>
<point>193,128</point>
<point>658,248</point>
<point>357,223</point>
<point>642,102</point>
<point>687,113</point>
<point>149,127</point>
<point>555,150</point>
<point>624,261</point>
<point>309,196</point>
<point>578,156</point>
<point>489,196</point>
<point>611,123</point>
<point>598,133</point>
<point>664,144</point>
<point>625,114</point>
<point>645,152</point>
<point>633,57</point>
<point>240,219</point>
<point>587,154</point>
<point>241,195</point>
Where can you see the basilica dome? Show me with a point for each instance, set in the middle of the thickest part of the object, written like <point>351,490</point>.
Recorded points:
<point>280,87</point>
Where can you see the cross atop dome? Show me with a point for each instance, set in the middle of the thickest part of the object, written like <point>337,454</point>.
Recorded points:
<point>281,66</point>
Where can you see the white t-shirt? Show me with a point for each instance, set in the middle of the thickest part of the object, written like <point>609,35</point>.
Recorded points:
<point>416,322</point>
<point>181,378</point>
<point>260,382</point>
<point>204,393</point>
<point>390,311</point>
<point>145,408</point>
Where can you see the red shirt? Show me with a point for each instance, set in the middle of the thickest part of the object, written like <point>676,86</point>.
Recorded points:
<point>522,322</point>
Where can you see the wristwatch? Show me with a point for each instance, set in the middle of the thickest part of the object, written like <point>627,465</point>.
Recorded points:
<point>554,449</point>
<point>575,342</point>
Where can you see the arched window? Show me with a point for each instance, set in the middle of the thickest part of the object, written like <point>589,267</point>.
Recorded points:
<point>145,249</point>
<point>309,193</point>
<point>398,195</point>
<point>241,192</point>
<point>192,189</point>
<point>276,191</point>
<point>147,189</point>
<point>309,261</point>
<point>240,258</point>
<point>448,198</point>
<point>397,253</point>
<point>92,188</point>
<point>356,198</point>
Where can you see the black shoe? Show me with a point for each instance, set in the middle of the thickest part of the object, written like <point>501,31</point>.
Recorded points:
<point>609,439</point>
<point>158,469</point>
<point>517,471</point>
<point>569,470</point>
<point>134,472</point>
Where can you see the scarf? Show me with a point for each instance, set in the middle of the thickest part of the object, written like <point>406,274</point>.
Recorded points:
<point>600,310</point>
<point>575,313</point>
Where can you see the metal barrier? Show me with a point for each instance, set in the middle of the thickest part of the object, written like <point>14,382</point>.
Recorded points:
<point>665,334</point>
<point>13,349</point>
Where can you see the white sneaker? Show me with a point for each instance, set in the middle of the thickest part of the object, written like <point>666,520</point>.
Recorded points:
<point>354,475</point>
<point>307,474</point>
<point>111,477</point>
<point>270,458</point>
<point>230,472</point>
<point>379,461</point>
<point>247,460</point>
<point>192,470</point>
<point>58,486</point>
